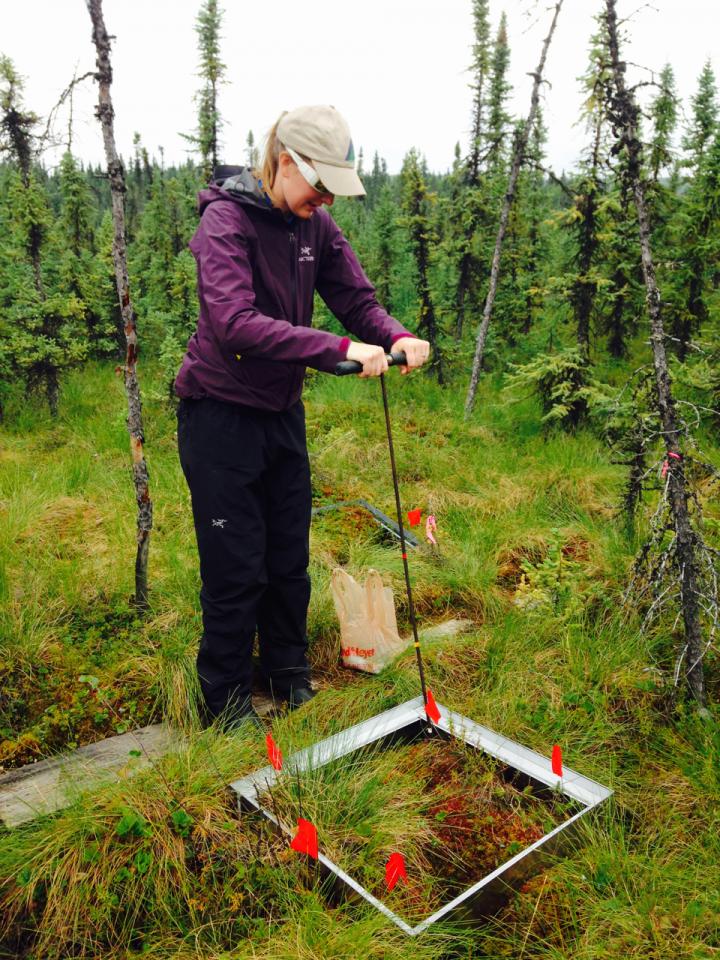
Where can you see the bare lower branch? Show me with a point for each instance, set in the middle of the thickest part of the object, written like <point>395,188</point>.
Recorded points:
<point>42,140</point>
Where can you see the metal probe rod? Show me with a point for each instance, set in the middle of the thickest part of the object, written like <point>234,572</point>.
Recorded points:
<point>411,605</point>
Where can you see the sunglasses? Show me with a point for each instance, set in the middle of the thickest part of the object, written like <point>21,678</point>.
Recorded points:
<point>309,173</point>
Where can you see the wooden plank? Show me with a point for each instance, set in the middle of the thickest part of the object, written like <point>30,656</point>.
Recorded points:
<point>444,630</point>
<point>49,785</point>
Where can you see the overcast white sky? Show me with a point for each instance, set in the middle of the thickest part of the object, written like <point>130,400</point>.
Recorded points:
<point>395,68</point>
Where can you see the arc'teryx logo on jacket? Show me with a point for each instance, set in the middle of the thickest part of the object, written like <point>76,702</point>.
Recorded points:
<point>256,301</point>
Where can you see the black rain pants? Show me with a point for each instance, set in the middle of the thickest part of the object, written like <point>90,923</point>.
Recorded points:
<point>249,479</point>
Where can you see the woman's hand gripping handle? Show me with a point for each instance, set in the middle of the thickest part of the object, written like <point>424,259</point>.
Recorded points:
<point>367,360</point>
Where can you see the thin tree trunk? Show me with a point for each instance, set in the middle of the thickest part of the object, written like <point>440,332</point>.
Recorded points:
<point>427,325</point>
<point>463,286</point>
<point>531,268</point>
<point>624,114</point>
<point>105,113</point>
<point>52,391</point>
<point>616,327</point>
<point>616,338</point>
<point>585,288</point>
<point>521,137</point>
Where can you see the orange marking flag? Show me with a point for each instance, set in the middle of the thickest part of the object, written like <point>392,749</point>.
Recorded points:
<point>306,839</point>
<point>431,708</point>
<point>395,869</point>
<point>557,761</point>
<point>274,752</point>
<point>414,517</point>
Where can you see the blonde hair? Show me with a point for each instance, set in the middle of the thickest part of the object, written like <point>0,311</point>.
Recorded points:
<point>271,156</point>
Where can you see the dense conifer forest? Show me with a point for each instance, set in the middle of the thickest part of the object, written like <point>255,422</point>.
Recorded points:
<point>564,435</point>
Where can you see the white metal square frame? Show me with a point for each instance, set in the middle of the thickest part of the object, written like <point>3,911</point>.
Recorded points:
<point>572,785</point>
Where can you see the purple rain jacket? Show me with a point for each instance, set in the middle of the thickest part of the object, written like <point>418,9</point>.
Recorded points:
<point>257,273</point>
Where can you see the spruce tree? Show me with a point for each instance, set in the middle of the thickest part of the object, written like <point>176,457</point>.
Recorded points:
<point>662,186</point>
<point>384,226</point>
<point>139,180</point>
<point>80,271</point>
<point>498,119</point>
<point>168,222</point>
<point>480,68</point>
<point>694,227</point>
<point>584,215</point>
<point>43,320</point>
<point>533,210</point>
<point>417,221</point>
<point>468,206</point>
<point>704,118</point>
<point>77,213</point>
<point>375,181</point>
<point>212,71</point>
<point>622,298</point>
<point>700,232</point>
<point>663,113</point>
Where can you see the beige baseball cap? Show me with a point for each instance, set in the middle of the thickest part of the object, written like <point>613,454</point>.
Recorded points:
<point>321,134</point>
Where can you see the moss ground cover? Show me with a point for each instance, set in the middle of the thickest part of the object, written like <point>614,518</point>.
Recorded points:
<point>453,812</point>
<point>531,551</point>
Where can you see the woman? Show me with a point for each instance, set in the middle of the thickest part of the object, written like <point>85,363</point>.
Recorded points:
<point>263,246</point>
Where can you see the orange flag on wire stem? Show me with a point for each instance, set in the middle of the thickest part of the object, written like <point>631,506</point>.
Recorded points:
<point>431,708</point>
<point>274,752</point>
<point>395,869</point>
<point>557,761</point>
<point>414,517</point>
<point>306,839</point>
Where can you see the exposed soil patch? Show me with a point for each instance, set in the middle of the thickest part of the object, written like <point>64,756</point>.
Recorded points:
<point>510,563</point>
<point>576,549</point>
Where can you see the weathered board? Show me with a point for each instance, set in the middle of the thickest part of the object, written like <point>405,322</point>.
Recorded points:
<point>49,785</point>
<point>445,630</point>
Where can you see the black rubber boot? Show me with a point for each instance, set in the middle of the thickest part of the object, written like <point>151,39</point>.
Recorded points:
<point>241,722</point>
<point>236,716</point>
<point>299,696</point>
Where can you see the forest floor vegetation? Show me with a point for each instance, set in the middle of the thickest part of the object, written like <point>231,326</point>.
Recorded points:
<point>532,550</point>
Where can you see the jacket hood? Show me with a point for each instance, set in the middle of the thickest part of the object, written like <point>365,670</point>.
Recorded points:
<point>237,183</point>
